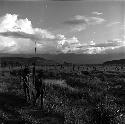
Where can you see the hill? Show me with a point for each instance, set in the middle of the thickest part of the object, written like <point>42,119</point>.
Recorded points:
<point>17,61</point>
<point>72,57</point>
<point>121,61</point>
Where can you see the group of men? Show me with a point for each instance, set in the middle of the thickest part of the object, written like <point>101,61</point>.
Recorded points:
<point>32,85</point>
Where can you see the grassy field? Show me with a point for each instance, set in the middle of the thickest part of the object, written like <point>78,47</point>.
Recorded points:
<point>15,110</point>
<point>84,95</point>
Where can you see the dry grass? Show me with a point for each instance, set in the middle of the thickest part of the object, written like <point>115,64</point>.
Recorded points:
<point>81,101</point>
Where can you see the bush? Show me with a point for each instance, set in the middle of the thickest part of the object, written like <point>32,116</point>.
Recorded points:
<point>76,82</point>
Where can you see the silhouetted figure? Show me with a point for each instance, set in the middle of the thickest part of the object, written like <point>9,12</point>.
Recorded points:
<point>39,89</point>
<point>34,73</point>
<point>25,78</point>
<point>26,71</point>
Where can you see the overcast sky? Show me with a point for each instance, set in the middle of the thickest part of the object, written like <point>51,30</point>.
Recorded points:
<point>62,26</point>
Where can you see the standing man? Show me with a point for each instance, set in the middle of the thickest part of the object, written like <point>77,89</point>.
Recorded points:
<point>39,89</point>
<point>25,78</point>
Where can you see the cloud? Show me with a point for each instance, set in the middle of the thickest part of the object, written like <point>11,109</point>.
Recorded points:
<point>78,28</point>
<point>16,29</point>
<point>73,45</point>
<point>60,0</point>
<point>42,0</point>
<point>68,45</point>
<point>7,44</point>
<point>66,0</point>
<point>18,36</point>
<point>21,35</point>
<point>88,0</point>
<point>10,25</point>
<point>101,48</point>
<point>33,37</point>
<point>97,13</point>
<point>92,43</point>
<point>80,23</point>
<point>112,24</point>
<point>93,50</point>
<point>22,0</point>
<point>78,19</point>
<point>110,43</point>
<point>95,20</point>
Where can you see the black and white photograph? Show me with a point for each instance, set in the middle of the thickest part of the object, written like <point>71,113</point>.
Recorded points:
<point>62,61</point>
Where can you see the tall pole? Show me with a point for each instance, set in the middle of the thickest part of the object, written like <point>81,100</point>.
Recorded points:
<point>34,66</point>
<point>35,48</point>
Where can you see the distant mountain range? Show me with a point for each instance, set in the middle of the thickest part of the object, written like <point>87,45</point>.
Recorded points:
<point>17,61</point>
<point>121,61</point>
<point>72,57</point>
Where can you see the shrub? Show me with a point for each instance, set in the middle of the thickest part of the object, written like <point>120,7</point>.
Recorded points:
<point>76,82</point>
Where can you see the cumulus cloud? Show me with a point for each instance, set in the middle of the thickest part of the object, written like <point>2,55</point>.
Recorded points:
<point>66,0</point>
<point>101,48</point>
<point>21,35</point>
<point>68,45</point>
<point>33,37</point>
<point>15,28</point>
<point>78,19</point>
<point>112,24</point>
<point>106,47</point>
<point>7,44</point>
<point>93,50</point>
<point>110,43</point>
<point>22,0</point>
<point>18,36</point>
<point>97,13</point>
<point>80,23</point>
<point>12,23</point>
<point>22,28</point>
<point>95,20</point>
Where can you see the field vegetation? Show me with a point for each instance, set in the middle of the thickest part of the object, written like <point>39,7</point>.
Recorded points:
<point>89,94</point>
